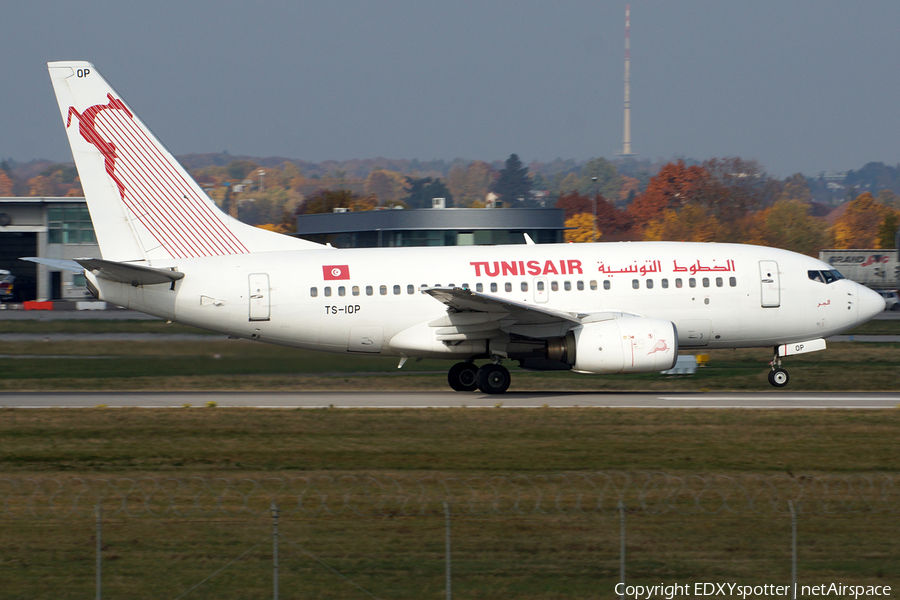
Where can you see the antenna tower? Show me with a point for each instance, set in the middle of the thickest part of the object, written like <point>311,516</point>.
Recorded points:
<point>626,139</point>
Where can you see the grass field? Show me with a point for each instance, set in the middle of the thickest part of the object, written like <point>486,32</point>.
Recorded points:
<point>495,556</point>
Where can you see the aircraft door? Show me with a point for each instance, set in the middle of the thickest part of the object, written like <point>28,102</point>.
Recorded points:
<point>770,284</point>
<point>260,306</point>
<point>541,290</point>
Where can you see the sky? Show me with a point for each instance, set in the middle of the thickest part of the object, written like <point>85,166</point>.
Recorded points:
<point>801,86</point>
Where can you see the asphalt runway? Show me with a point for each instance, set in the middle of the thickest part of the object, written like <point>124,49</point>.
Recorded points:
<point>775,399</point>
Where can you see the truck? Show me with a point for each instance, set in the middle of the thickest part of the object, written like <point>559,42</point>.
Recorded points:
<point>877,269</point>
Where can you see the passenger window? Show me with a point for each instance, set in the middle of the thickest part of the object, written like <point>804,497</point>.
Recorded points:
<point>732,281</point>
<point>355,290</point>
<point>524,286</point>
<point>665,284</point>
<point>382,290</point>
<point>649,284</point>
<point>479,287</point>
<point>328,291</point>
<point>342,291</point>
<point>508,287</point>
<point>313,292</point>
<point>636,284</point>
<point>540,286</point>
<point>593,285</point>
<point>678,283</point>
<point>606,284</point>
<point>410,289</point>
<point>396,290</point>
<point>369,290</point>
<point>465,286</point>
<point>493,287</point>
<point>706,282</point>
<point>567,285</point>
<point>692,282</point>
<point>554,286</point>
<point>580,286</point>
<point>719,282</point>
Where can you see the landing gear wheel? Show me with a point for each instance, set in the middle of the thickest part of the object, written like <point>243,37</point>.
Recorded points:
<point>493,379</point>
<point>778,377</point>
<point>462,377</point>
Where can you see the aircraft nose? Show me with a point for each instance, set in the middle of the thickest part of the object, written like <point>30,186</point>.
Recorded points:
<point>870,304</point>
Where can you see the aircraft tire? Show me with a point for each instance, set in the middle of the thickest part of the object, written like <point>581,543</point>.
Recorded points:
<point>779,377</point>
<point>493,379</point>
<point>462,377</point>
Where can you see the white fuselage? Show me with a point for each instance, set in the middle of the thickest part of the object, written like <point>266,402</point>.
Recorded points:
<point>717,295</point>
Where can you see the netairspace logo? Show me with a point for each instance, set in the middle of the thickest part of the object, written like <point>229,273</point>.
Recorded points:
<point>673,590</point>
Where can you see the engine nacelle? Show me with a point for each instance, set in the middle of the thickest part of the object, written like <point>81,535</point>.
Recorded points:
<point>625,345</point>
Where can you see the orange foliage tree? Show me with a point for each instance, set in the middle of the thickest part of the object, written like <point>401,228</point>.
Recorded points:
<point>674,185</point>
<point>859,226</point>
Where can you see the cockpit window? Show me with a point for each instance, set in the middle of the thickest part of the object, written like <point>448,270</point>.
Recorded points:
<point>825,276</point>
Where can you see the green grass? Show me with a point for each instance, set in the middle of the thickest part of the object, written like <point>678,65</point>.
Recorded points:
<point>243,365</point>
<point>504,555</point>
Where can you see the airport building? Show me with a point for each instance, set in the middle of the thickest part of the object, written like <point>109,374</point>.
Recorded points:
<point>57,228</point>
<point>433,227</point>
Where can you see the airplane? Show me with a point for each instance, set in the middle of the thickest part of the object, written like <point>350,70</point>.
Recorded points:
<point>595,308</point>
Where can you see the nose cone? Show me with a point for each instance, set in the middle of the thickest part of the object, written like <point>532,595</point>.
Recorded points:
<point>870,304</point>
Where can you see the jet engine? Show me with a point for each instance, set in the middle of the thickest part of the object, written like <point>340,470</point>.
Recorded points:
<point>624,345</point>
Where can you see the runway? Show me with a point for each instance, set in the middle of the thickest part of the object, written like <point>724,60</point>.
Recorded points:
<point>397,400</point>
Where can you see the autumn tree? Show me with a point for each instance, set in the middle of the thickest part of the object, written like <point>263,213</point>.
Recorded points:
<point>581,228</point>
<point>6,184</point>
<point>859,226</point>
<point>471,184</point>
<point>691,223</point>
<point>674,185</point>
<point>788,225</point>
<point>887,231</point>
<point>513,182</point>
<point>325,201</point>
<point>795,187</point>
<point>613,222</point>
<point>387,186</point>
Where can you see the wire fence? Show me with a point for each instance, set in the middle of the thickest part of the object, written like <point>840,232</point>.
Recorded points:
<point>410,495</point>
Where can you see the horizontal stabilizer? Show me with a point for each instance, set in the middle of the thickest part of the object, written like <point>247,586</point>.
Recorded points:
<point>56,263</point>
<point>126,273</point>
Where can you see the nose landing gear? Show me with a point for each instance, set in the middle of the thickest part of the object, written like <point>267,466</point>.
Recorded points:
<point>778,377</point>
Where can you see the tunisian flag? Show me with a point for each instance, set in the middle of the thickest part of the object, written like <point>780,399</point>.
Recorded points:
<point>332,272</point>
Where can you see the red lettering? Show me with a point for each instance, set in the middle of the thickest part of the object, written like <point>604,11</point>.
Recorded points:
<point>562,266</point>
<point>550,268</point>
<point>492,272</point>
<point>478,266</point>
<point>534,267</point>
<point>509,268</point>
<point>521,267</point>
<point>575,267</point>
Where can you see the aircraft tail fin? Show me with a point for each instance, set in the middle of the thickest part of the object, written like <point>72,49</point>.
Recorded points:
<point>143,204</point>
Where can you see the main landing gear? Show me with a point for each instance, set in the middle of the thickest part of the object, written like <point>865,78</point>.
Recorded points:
<point>778,377</point>
<point>492,378</point>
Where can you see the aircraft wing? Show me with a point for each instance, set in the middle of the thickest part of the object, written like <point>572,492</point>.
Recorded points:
<point>473,315</point>
<point>461,300</point>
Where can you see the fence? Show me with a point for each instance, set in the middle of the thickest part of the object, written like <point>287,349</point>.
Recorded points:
<point>572,529</point>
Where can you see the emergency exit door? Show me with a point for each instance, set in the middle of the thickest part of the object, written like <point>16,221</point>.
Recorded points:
<point>260,306</point>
